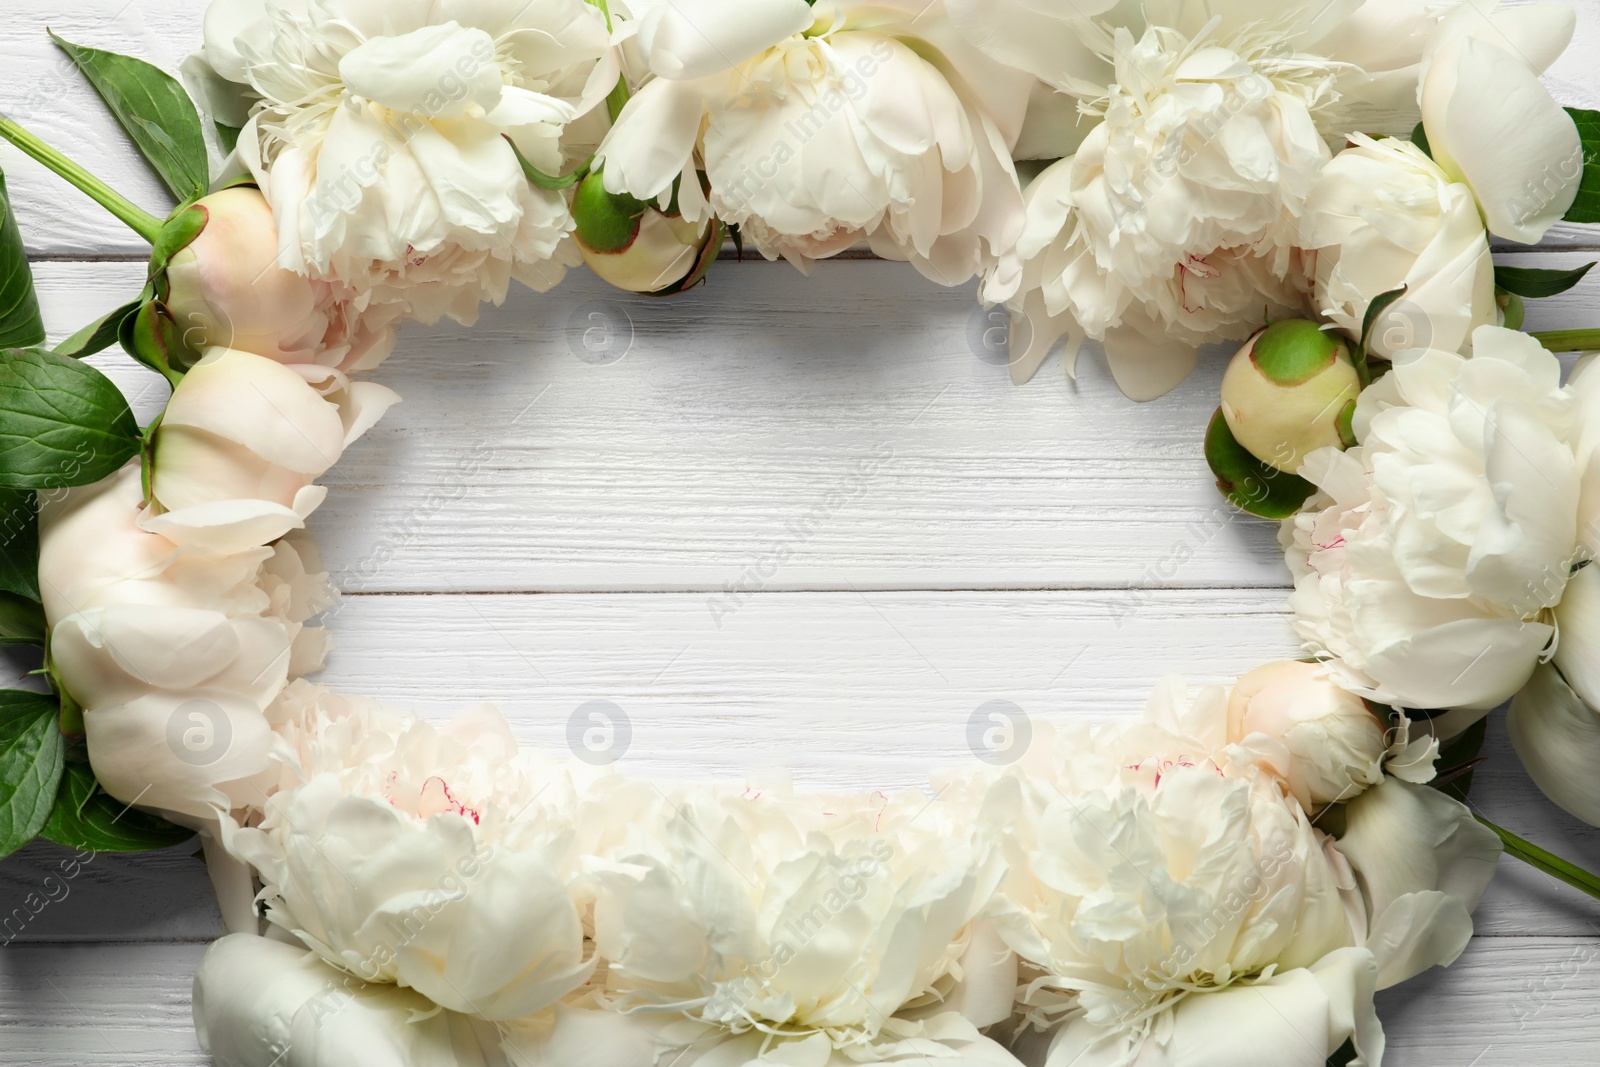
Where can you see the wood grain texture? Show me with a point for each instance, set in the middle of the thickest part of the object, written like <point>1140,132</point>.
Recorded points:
<point>907,538</point>
<point>765,433</point>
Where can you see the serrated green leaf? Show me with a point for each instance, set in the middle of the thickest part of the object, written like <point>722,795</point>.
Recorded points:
<point>62,423</point>
<point>156,113</point>
<point>1533,282</point>
<point>1586,208</point>
<point>30,765</point>
<point>20,322</point>
<point>19,542</point>
<point>1249,484</point>
<point>99,335</point>
<point>86,817</point>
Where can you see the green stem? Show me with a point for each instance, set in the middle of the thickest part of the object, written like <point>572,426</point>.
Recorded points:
<point>1548,862</point>
<point>1569,340</point>
<point>138,219</point>
<point>617,99</point>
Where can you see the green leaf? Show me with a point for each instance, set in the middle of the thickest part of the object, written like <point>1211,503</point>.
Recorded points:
<point>99,335</point>
<point>156,113</point>
<point>1532,282</point>
<point>1457,759</point>
<point>62,422</point>
<point>1586,208</point>
<point>19,542</point>
<point>20,323</point>
<point>1249,484</point>
<point>30,765</point>
<point>21,621</point>
<point>86,817</point>
<point>1375,310</point>
<point>227,136</point>
<point>1419,137</point>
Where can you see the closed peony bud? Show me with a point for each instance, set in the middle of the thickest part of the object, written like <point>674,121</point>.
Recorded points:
<point>1320,739</point>
<point>225,289</point>
<point>636,246</point>
<point>1289,391</point>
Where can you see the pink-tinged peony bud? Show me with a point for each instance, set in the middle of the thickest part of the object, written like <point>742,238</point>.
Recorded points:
<point>225,289</point>
<point>1322,740</point>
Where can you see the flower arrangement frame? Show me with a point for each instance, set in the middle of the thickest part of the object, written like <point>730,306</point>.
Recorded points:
<point>455,900</point>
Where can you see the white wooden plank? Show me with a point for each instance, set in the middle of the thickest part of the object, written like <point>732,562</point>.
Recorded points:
<point>749,438</point>
<point>1508,1002</point>
<point>43,92</point>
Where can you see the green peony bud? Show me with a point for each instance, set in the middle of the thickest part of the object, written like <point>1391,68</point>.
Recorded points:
<point>1289,391</point>
<point>638,247</point>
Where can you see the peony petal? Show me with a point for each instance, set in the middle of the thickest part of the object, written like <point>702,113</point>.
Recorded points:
<point>686,39</point>
<point>1144,367</point>
<point>653,139</point>
<point>1492,124</point>
<point>1404,839</point>
<point>260,404</point>
<point>1557,737</point>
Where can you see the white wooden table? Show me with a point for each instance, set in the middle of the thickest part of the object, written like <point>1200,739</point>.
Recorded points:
<point>914,537</point>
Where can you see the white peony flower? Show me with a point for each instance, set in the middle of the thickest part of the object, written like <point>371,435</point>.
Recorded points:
<point>1492,125</point>
<point>383,133</point>
<point>1174,221</point>
<point>1384,215</point>
<point>263,1003</point>
<point>174,652</point>
<point>297,588</point>
<point>822,126</point>
<point>437,859</point>
<point>1426,567</point>
<point>1176,908</point>
<point>243,440</point>
<point>773,929</point>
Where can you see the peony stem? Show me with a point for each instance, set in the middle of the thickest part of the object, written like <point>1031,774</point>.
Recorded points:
<point>1548,862</point>
<point>617,99</point>
<point>137,218</point>
<point>1569,340</point>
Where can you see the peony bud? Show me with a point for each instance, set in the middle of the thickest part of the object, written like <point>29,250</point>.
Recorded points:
<point>225,289</point>
<point>1319,738</point>
<point>636,246</point>
<point>1289,391</point>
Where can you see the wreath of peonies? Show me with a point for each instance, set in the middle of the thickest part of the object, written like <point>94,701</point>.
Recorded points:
<point>1229,879</point>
